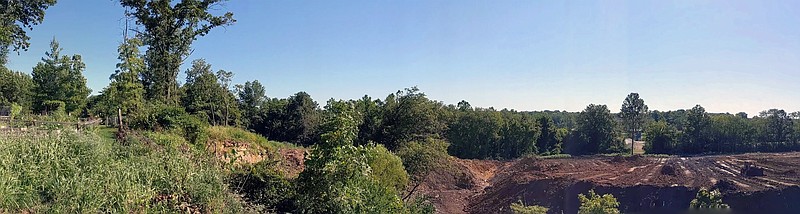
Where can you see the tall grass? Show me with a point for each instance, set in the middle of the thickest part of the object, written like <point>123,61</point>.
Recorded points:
<point>69,172</point>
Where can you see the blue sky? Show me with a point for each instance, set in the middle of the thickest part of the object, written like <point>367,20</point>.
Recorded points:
<point>728,56</point>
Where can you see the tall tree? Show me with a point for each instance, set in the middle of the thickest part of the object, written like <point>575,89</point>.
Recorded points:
<point>409,116</point>
<point>695,130</point>
<point>548,142</point>
<point>169,30</point>
<point>633,112</point>
<point>60,78</point>
<point>371,115</point>
<point>252,96</point>
<point>15,87</point>
<point>125,92</point>
<point>231,111</point>
<point>779,126</point>
<point>206,95</point>
<point>596,132</point>
<point>303,119</point>
<point>15,17</point>
<point>660,138</point>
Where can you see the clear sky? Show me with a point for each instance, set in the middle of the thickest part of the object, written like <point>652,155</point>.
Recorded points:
<point>728,56</point>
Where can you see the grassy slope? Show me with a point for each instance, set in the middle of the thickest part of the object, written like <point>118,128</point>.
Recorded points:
<point>85,173</point>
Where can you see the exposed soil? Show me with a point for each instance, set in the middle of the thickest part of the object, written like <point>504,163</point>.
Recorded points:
<point>292,161</point>
<point>641,184</point>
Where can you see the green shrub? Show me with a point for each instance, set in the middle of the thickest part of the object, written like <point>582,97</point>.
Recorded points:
<point>338,180</point>
<point>521,208</point>
<point>595,204</point>
<point>264,185</point>
<point>173,119</point>
<point>708,200</point>
<point>420,205</point>
<point>386,168</point>
<point>419,158</point>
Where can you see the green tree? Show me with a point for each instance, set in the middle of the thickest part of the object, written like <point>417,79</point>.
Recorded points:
<point>633,112</point>
<point>343,178</point>
<point>169,30</point>
<point>731,133</point>
<point>252,96</point>
<point>409,116</point>
<point>207,95</point>
<point>549,142</point>
<point>517,136</point>
<point>125,92</point>
<point>596,204</point>
<point>596,132</point>
<point>15,17</point>
<point>371,116</point>
<point>230,109</point>
<point>779,127</point>
<point>420,159</point>
<point>695,130</point>
<point>16,87</point>
<point>475,134</point>
<point>60,78</point>
<point>708,200</point>
<point>661,138</point>
<point>302,119</point>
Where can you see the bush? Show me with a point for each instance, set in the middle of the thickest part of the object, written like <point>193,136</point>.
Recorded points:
<point>173,119</point>
<point>264,185</point>
<point>521,208</point>
<point>419,158</point>
<point>339,180</point>
<point>595,204</point>
<point>387,168</point>
<point>707,200</point>
<point>421,205</point>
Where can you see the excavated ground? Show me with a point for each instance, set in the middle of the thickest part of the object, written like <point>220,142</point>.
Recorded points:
<point>641,184</point>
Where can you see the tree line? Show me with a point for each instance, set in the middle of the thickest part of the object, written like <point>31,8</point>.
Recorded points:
<point>144,89</point>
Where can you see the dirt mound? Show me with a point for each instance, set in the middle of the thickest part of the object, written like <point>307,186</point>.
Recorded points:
<point>724,185</point>
<point>668,169</point>
<point>750,169</point>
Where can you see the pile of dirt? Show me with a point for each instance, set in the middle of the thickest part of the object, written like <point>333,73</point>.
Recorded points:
<point>750,169</point>
<point>725,186</point>
<point>668,169</point>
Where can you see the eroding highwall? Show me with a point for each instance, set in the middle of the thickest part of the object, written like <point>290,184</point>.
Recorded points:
<point>560,195</point>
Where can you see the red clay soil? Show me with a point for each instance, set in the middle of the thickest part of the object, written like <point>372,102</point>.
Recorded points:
<point>292,161</point>
<point>641,184</point>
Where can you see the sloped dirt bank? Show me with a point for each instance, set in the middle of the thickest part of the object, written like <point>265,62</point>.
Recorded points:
<point>641,184</point>
<point>560,195</point>
<point>768,201</point>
